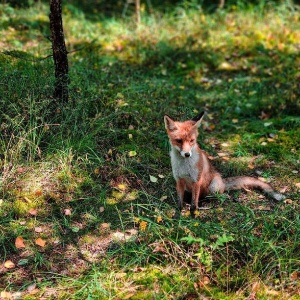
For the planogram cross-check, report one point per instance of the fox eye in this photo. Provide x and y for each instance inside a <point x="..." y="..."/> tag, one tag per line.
<point x="192" y="140"/>
<point x="179" y="141"/>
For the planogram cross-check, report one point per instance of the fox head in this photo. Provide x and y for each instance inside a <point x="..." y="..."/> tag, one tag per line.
<point x="183" y="135"/>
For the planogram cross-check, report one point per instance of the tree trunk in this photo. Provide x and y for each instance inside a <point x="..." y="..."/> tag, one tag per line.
<point x="60" y="54"/>
<point x="138" y="11"/>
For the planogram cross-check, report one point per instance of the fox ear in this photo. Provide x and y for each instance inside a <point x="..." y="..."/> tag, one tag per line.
<point x="169" y="123"/>
<point x="198" y="119"/>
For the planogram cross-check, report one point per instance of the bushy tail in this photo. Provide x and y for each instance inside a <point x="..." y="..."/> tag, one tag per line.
<point x="247" y="182"/>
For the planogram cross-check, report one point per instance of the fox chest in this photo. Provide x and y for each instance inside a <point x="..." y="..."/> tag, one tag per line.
<point x="185" y="168"/>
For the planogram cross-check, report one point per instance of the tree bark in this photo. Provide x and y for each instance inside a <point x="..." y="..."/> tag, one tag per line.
<point x="138" y="11"/>
<point x="60" y="53"/>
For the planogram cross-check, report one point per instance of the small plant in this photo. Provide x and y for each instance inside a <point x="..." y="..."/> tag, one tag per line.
<point x="206" y="248"/>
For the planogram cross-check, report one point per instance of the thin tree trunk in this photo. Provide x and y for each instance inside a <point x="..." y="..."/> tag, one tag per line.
<point x="138" y="11"/>
<point x="60" y="54"/>
<point x="221" y="4"/>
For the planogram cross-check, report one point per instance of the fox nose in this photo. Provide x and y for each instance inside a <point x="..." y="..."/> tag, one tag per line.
<point x="187" y="154"/>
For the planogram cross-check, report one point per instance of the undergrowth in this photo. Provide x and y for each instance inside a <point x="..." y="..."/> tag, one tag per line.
<point x="92" y="178"/>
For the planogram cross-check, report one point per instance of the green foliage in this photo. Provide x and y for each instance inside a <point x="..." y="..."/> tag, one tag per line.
<point x="93" y="178"/>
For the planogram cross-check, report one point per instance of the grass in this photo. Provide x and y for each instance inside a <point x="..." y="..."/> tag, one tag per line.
<point x="92" y="179"/>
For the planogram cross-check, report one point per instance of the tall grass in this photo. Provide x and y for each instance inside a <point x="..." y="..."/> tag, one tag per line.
<point x="80" y="173"/>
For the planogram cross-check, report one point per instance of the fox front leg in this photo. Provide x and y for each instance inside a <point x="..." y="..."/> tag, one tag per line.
<point x="180" y="187"/>
<point x="195" y="197"/>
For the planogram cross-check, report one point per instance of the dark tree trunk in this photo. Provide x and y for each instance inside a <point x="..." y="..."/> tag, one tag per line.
<point x="60" y="54"/>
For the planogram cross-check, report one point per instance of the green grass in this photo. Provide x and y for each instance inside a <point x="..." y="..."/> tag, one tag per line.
<point x="79" y="176"/>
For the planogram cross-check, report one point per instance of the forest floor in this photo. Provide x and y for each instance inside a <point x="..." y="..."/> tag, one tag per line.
<point x="87" y="195"/>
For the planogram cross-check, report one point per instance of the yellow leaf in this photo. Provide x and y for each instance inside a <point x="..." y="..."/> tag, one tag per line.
<point x="122" y="186"/>
<point x="226" y="66"/>
<point x="19" y="242"/>
<point x="9" y="264"/>
<point x="132" y="153"/>
<point x="40" y="242"/>
<point x="143" y="225"/>
<point x="118" y="195"/>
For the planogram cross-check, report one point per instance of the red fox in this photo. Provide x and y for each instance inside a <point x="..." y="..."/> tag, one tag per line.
<point x="193" y="171"/>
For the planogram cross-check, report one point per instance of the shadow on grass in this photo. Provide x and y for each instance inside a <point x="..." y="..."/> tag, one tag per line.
<point x="115" y="130"/>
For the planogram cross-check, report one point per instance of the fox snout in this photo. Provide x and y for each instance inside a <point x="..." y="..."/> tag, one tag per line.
<point x="185" y="151"/>
<point x="186" y="154"/>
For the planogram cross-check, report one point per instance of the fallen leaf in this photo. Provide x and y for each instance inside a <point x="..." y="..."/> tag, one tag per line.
<point x="101" y="209"/>
<point x="222" y="154"/>
<point x="40" y="242"/>
<point x="295" y="171"/>
<point x="132" y="153"/>
<point x="295" y="275"/>
<point x="206" y="280"/>
<point x="264" y="208"/>
<point x="38" y="193"/>
<point x="68" y="212"/>
<point x="226" y="66"/>
<point x="128" y="296"/>
<point x="120" y="275"/>
<point x="288" y="201"/>
<point x="110" y="152"/>
<point x="31" y="287"/>
<point x="297" y="184"/>
<point x="251" y="166"/>
<point x="38" y="229"/>
<point x="226" y="158"/>
<point x="34" y="291"/>
<point x="32" y="211"/>
<point x="19" y="242"/>
<point x="234" y="121"/>
<point x="267" y="124"/>
<point x="6" y="295"/>
<point x="122" y="186"/>
<point x="163" y="198"/>
<point x="21" y="170"/>
<point x="23" y="262"/>
<point x="272" y="293"/>
<point x="9" y="264"/>
<point x="161" y="176"/>
<point x="153" y="178"/>
<point x="264" y="116"/>
<point x="75" y="229"/>
<point x="120" y="95"/>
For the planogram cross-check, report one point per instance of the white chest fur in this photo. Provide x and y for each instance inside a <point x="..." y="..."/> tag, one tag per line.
<point x="184" y="167"/>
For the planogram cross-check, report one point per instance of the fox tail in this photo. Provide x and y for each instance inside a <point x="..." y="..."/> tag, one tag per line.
<point x="247" y="182"/>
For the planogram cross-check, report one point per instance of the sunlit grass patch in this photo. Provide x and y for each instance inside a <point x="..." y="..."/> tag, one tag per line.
<point x="88" y="187"/>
